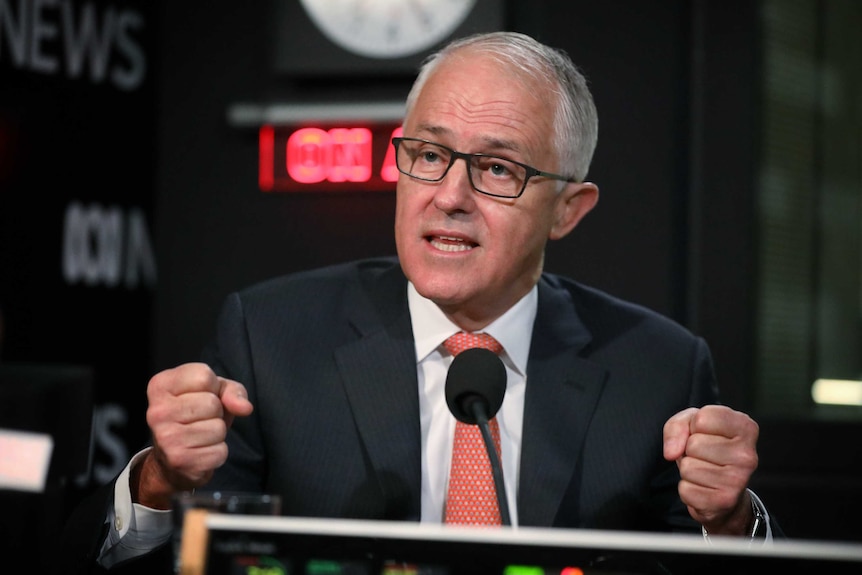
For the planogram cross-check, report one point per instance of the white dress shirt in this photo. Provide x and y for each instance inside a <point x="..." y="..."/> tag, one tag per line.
<point x="431" y="328"/>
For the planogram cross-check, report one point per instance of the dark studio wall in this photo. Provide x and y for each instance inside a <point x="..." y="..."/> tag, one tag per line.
<point x="675" y="83"/>
<point x="77" y="262"/>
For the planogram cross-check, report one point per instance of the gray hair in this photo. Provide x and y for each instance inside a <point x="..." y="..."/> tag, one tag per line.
<point x="576" y="123"/>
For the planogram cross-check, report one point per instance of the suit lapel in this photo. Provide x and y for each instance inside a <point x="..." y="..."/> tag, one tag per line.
<point x="379" y="374"/>
<point x="562" y="391"/>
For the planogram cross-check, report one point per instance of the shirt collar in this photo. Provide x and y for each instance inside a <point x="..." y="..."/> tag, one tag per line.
<point x="513" y="329"/>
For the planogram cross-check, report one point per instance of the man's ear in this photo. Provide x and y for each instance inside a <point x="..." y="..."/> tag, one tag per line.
<point x="573" y="203"/>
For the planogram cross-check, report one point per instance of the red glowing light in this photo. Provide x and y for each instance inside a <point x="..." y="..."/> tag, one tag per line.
<point x="264" y="165"/>
<point x="308" y="155"/>
<point x="389" y="172"/>
<point x="337" y="158"/>
<point x="351" y="155"/>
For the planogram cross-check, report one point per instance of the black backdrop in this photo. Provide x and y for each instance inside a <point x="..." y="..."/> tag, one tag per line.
<point x="78" y="267"/>
<point x="77" y="162"/>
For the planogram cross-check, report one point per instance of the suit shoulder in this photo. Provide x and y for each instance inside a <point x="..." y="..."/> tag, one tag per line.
<point x="601" y="311"/>
<point x="326" y="280"/>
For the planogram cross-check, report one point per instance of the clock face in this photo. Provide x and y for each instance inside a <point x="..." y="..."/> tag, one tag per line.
<point x="387" y="28"/>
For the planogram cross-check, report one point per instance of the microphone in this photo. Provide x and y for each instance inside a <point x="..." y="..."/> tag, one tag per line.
<point x="475" y="386"/>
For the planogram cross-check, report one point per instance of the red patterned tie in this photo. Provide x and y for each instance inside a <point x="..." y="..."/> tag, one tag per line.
<point x="472" y="497"/>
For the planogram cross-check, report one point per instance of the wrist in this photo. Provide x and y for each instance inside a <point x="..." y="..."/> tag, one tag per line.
<point x="738" y="523"/>
<point x="148" y="486"/>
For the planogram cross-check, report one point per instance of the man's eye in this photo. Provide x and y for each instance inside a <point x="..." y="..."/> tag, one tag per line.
<point x="499" y="170"/>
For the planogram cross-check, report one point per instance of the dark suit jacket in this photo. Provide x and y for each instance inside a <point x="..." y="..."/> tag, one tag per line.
<point x="328" y="358"/>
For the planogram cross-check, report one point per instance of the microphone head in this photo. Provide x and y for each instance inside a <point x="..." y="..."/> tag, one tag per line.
<point x="476" y="375"/>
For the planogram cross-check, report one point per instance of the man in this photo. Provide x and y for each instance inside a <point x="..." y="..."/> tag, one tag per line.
<point x="326" y="387"/>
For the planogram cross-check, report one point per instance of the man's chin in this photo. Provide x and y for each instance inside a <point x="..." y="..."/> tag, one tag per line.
<point x="443" y="289"/>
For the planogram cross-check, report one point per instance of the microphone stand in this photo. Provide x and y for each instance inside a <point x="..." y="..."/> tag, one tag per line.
<point x="496" y="468"/>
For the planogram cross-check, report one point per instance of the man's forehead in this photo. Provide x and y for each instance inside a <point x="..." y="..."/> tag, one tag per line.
<point x="476" y="103"/>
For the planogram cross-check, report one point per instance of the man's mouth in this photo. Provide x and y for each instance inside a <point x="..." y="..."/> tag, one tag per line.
<point x="450" y="244"/>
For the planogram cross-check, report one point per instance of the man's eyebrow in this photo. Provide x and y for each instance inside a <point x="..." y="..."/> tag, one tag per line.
<point x="432" y="130"/>
<point x="489" y="143"/>
<point x="498" y="144"/>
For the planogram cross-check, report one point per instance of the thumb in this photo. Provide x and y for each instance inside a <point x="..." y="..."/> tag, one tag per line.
<point x="234" y="398"/>
<point x="677" y="429"/>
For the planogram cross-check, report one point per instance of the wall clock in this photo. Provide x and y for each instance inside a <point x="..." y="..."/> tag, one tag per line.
<point x="371" y="37"/>
<point x="387" y="28"/>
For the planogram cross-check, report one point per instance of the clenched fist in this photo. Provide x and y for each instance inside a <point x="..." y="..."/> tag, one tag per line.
<point x="715" y="449"/>
<point x="190" y="410"/>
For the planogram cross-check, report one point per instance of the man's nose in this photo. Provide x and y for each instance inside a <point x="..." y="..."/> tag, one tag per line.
<point x="455" y="190"/>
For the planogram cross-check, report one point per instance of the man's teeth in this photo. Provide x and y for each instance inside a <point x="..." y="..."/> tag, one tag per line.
<point x="446" y="244"/>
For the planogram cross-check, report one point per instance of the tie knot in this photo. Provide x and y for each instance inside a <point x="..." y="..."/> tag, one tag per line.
<point x="463" y="340"/>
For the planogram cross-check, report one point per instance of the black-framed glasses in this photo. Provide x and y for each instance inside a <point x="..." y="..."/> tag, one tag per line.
<point x="489" y="175"/>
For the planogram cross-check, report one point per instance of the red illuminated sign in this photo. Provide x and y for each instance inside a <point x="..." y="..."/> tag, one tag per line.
<point x="336" y="158"/>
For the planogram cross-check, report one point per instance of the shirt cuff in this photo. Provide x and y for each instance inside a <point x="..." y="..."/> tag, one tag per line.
<point x="758" y="504"/>
<point x="134" y="529"/>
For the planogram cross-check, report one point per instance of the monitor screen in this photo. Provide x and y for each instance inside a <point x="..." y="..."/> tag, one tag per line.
<point x="245" y="545"/>
<point x="55" y="399"/>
